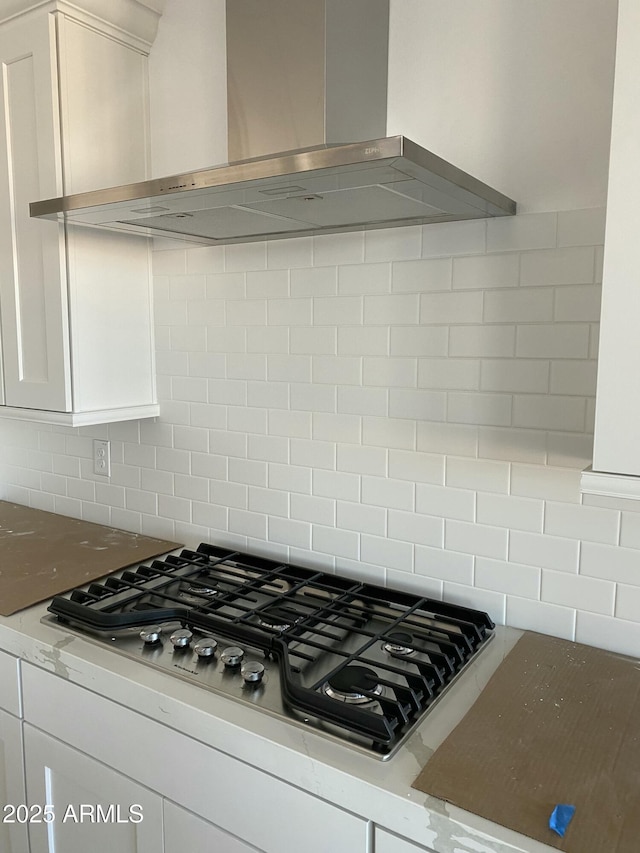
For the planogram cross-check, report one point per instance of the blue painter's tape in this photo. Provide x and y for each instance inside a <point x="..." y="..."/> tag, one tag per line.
<point x="560" y="818"/>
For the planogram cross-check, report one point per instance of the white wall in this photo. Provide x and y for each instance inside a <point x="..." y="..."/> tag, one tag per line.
<point x="188" y="87"/>
<point x="412" y="405"/>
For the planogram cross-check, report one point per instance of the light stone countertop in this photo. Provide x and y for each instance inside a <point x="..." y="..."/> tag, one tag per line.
<point x="377" y="790"/>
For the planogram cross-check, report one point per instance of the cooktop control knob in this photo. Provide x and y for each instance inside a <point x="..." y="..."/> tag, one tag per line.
<point x="232" y="656"/>
<point x="151" y="635"/>
<point x="206" y="647"/>
<point x="181" y="638"/>
<point x="252" y="671"/>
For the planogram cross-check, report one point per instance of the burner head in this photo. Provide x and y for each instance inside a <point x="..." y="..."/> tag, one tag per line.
<point x="205" y="588"/>
<point x="278" y="618"/>
<point x="349" y="683"/>
<point x="399" y="644"/>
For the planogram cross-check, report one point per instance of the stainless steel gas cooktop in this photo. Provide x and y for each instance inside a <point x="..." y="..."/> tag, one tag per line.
<point x="356" y="662"/>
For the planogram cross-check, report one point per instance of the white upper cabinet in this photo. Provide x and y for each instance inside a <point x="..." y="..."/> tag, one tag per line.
<point x="75" y="305"/>
<point x="617" y="429"/>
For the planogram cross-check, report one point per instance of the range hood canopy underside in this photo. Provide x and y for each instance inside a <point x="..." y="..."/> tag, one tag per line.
<point x="375" y="184"/>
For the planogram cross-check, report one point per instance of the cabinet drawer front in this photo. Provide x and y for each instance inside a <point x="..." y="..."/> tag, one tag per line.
<point x="10" y="698"/>
<point x="242" y="800"/>
<point x="13" y="834"/>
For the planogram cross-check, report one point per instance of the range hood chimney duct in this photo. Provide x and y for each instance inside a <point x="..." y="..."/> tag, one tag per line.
<point x="307" y="109"/>
<point x="302" y="73"/>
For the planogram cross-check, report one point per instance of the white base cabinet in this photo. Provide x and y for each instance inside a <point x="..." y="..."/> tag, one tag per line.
<point x="93" y="807"/>
<point x="75" y="305"/>
<point x="13" y="828"/>
<point x="385" y="842"/>
<point x="185" y="832"/>
<point x="103" y="746"/>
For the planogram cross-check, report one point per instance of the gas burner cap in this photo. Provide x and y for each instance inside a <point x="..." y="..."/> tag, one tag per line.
<point x="348" y="683"/>
<point x="398" y="644"/>
<point x="200" y="588"/>
<point x="278" y="619"/>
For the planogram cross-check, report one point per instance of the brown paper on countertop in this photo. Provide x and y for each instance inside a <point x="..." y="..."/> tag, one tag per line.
<point x="558" y="722"/>
<point x="43" y="554"/>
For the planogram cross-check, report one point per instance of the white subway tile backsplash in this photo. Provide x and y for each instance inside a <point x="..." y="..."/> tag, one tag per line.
<point x="389" y="372"/>
<point x="269" y="284"/>
<point x="419" y="529"/>
<point x="481" y="409"/>
<point x="359" y="340"/>
<point x="388" y="244"/>
<point x="417" y="404"/>
<point x="556" y="484"/>
<point x="481" y="341"/>
<point x="444" y="501"/>
<point x="314" y="509"/>
<point x="336" y="427"/>
<point x="477" y="474"/>
<point x="315" y="281"/>
<point x="389" y="432"/>
<point x="557" y="267"/>
<point x="245" y="256"/>
<point x="548" y="552"/>
<point x="530" y="231"/>
<point x="617" y="635"/>
<point x="267" y="339"/>
<point x="416" y="466"/>
<point x="290" y="312"/>
<point x="486" y="272"/>
<point x="454" y="238"/>
<point x="514" y="579"/>
<point x="523" y="305"/>
<point x="361" y="279"/>
<point x="584" y="593"/>
<point x="541" y="616"/>
<point x="360" y="518"/>
<point x="580" y="302"/>
<point x="268" y="501"/>
<point x="373" y="402"/>
<point x="394" y="309"/>
<point x="386" y="552"/>
<point x="313" y="390"/>
<point x="558" y="340"/>
<point x="231" y="285"/>
<point x="590" y="524"/>
<point x="289" y="478"/>
<point x="358" y="459"/>
<point x="536" y="411"/>
<point x="338" y="310"/>
<point x="314" y="454"/>
<point x="477" y="539"/>
<point x="421" y="276"/>
<point x="512" y="445"/>
<point x="337" y="543"/>
<point x="444" y="565"/>
<point x="286" y="254"/>
<point x="581" y="227"/>
<point x="336" y="484"/>
<point x="313" y="341"/>
<point x="447" y="308"/>
<point x="171" y="262"/>
<point x="610" y="563"/>
<point x="337" y="369"/>
<point x="289" y="368"/>
<point x="508" y="511"/>
<point x="394" y="494"/>
<point x="416" y="341"/>
<point x="573" y="377"/>
<point x="456" y="439"/>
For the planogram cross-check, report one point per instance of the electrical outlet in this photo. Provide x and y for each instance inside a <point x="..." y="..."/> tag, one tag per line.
<point x="101" y="457"/>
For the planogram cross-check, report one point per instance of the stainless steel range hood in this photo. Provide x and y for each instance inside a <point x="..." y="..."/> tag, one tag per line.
<point x="306" y="79"/>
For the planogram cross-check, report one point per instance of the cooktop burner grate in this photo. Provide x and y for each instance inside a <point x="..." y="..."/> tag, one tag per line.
<point x="321" y="631"/>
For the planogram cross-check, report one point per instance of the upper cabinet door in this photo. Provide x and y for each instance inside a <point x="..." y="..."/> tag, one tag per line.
<point x="33" y="293"/>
